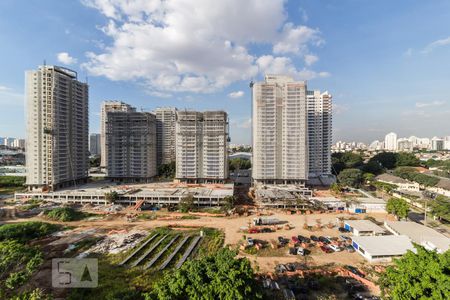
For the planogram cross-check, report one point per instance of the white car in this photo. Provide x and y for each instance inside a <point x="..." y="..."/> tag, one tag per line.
<point x="250" y="241"/>
<point x="335" y="248"/>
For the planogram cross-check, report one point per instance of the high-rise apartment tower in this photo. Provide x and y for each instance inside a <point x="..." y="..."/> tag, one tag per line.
<point x="319" y="109"/>
<point x="201" y="146"/>
<point x="57" y="152"/>
<point x="108" y="106"/>
<point x="280" y="132"/>
<point x="165" y="134"/>
<point x="130" y="141"/>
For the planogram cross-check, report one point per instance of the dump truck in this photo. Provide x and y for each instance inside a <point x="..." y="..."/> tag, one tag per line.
<point x="265" y="221"/>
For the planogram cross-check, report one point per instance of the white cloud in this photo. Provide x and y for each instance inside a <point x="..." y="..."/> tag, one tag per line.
<point x="339" y="108"/>
<point x="303" y="15"/>
<point x="9" y="97"/>
<point x="65" y="58"/>
<point x="237" y="94"/>
<point x="4" y="88"/>
<point x="310" y="59"/>
<point x="195" y="45"/>
<point x="408" y="52"/>
<point x="296" y="39"/>
<point x="428" y="104"/>
<point x="283" y="65"/>
<point x="245" y="124"/>
<point x="439" y="43"/>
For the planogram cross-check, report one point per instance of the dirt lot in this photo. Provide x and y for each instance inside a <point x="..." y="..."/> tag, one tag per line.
<point x="233" y="235"/>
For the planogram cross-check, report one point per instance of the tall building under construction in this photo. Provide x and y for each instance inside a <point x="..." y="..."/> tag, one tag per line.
<point x="201" y="146"/>
<point x="57" y="150"/>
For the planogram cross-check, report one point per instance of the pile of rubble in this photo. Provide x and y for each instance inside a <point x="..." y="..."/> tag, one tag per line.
<point x="112" y="208"/>
<point x="118" y="242"/>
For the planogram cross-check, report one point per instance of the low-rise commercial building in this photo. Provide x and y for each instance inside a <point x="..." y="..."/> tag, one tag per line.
<point x="442" y="187"/>
<point x="382" y="248"/>
<point x="420" y="234"/>
<point x="157" y="194"/>
<point x="401" y="183"/>
<point x="363" y="227"/>
<point x="367" y="205"/>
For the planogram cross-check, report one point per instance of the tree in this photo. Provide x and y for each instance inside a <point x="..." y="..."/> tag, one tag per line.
<point x="398" y="207"/>
<point x="94" y="161"/>
<point x="167" y="170"/>
<point x="368" y="177"/>
<point x="440" y="207"/>
<point x="186" y="203"/>
<point x="386" y="160"/>
<point x="218" y="276"/>
<point x="350" y="177"/>
<point x="341" y="161"/>
<point x="336" y="188"/>
<point x="424" y="275"/>
<point x="111" y="197"/>
<point x="228" y="202"/>
<point x="373" y="166"/>
<point x="407" y="159"/>
<point x="239" y="164"/>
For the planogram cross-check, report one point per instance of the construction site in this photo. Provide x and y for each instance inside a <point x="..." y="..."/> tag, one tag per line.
<point x="160" y="194"/>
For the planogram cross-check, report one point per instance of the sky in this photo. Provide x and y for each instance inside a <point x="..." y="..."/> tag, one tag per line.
<point x="386" y="63"/>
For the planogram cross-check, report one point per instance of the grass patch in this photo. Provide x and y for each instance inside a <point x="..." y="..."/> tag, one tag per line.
<point x="26" y="231"/>
<point x="65" y="214"/>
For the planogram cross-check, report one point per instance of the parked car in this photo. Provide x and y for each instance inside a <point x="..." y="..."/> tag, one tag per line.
<point x="295" y="239"/>
<point x="280" y="239"/>
<point x="326" y="249"/>
<point x="253" y="230"/>
<point x="345" y="238"/>
<point x="301" y="251"/>
<point x="335" y="248"/>
<point x="266" y="229"/>
<point x="304" y="239"/>
<point x="324" y="240"/>
<point x="301" y="238"/>
<point x="250" y="241"/>
<point x="314" y="238"/>
<point x="342" y="229"/>
<point x="350" y="248"/>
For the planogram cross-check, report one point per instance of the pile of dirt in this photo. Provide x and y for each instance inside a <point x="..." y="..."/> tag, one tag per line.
<point x="117" y="242"/>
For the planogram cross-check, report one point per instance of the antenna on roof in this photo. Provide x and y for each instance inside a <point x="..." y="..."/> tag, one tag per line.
<point x="44" y="62"/>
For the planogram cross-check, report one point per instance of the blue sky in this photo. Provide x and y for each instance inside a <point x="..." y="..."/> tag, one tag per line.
<point x="387" y="63"/>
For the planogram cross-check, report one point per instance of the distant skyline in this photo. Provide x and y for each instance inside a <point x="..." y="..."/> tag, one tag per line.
<point x="386" y="63"/>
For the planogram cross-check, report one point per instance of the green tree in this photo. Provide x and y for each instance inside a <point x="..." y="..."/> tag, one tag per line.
<point x="111" y="197"/>
<point x="373" y="166"/>
<point x="425" y="275"/>
<point x="368" y="177"/>
<point x="167" y="170"/>
<point x="239" y="164"/>
<point x="336" y="188"/>
<point x="440" y="207"/>
<point x="407" y="159"/>
<point x="218" y="276"/>
<point x="186" y="203"/>
<point x="350" y="177"/>
<point x="386" y="160"/>
<point x="94" y="161"/>
<point x="398" y="207"/>
<point x="228" y="202"/>
<point x="341" y="161"/>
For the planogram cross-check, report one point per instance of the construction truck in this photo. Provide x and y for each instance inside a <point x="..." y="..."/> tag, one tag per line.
<point x="265" y="221"/>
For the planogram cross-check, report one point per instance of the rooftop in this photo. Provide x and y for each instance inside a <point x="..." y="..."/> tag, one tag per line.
<point x="420" y="234"/>
<point x="391" y="245"/>
<point x="391" y="178"/>
<point x="365" y="225"/>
